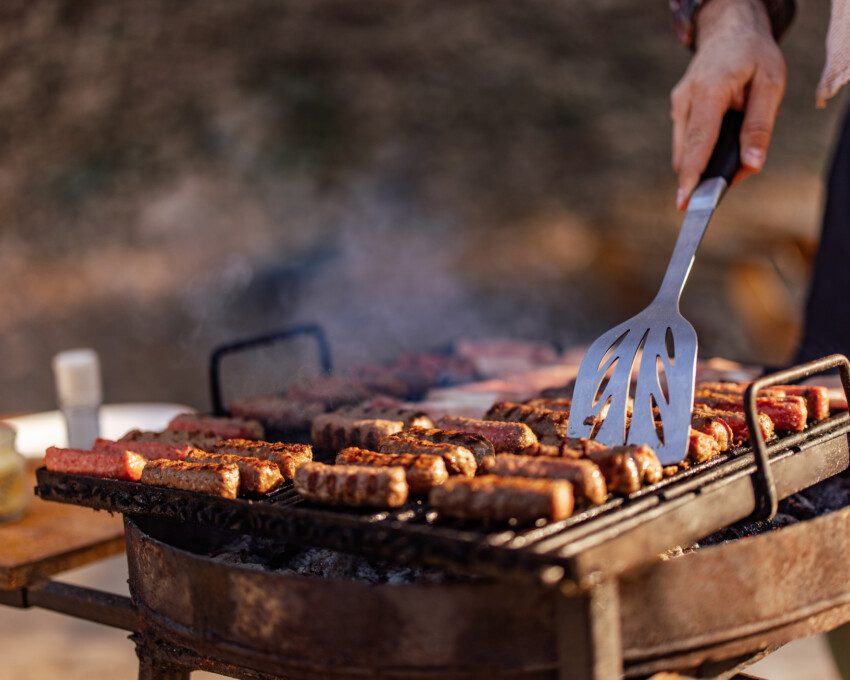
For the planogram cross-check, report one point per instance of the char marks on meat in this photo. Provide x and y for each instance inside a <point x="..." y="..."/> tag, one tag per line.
<point x="458" y="459"/>
<point x="505" y="437"/>
<point x="357" y="485"/>
<point x="502" y="498"/>
<point x="334" y="431"/>
<point x="545" y="423"/>
<point x="287" y="457"/>
<point x="219" y="427"/>
<point x="214" y="479"/>
<point x="279" y="413"/>
<point x="481" y="447"/>
<point x="255" y="475"/>
<point x="423" y="471"/>
<point x="585" y="476"/>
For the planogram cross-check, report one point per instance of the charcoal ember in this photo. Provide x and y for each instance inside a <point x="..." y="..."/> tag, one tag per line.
<point x="745" y="529"/>
<point x="331" y="564"/>
<point x="798" y="506"/>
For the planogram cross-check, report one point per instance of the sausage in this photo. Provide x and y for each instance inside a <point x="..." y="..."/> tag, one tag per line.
<point x="736" y="421"/>
<point x="458" y="459"/>
<point x="111" y="464"/>
<point x="545" y="423"/>
<point x="649" y="467"/>
<point x="788" y="413"/>
<point x="147" y="450"/>
<point x="817" y="398"/>
<point x="551" y="404"/>
<point x="276" y="412"/>
<point x="381" y="487"/>
<point x="255" y="475"/>
<point x="287" y="457"/>
<point x="480" y="447"/>
<point x="379" y="411"/>
<point x="198" y="440"/>
<point x="505" y="437"/>
<point x="585" y="476"/>
<point x="501" y="498"/>
<point x="334" y="431"/>
<point x="422" y="471"/>
<point x="717" y="428"/>
<point x="619" y="468"/>
<point x="552" y="450"/>
<point x="220" y="427"/>
<point x="702" y="446"/>
<point x="214" y="479"/>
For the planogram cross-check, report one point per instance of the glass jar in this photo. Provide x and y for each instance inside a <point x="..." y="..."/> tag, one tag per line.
<point x="14" y="492"/>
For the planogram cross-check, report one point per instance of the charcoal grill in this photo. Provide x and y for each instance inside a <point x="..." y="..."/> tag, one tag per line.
<point x="572" y="565"/>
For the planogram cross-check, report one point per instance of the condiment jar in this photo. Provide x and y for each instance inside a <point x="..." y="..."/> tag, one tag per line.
<point x="14" y="491"/>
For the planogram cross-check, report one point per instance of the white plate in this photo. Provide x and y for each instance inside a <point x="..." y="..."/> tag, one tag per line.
<point x="37" y="431"/>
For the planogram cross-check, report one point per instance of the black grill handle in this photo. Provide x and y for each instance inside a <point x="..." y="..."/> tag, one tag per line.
<point x="763" y="484"/>
<point x="261" y="341"/>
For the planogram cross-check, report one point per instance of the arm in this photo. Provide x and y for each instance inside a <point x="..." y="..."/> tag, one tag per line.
<point x="736" y="64"/>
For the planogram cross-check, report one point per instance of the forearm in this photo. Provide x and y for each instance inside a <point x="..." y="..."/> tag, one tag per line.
<point x="685" y="12"/>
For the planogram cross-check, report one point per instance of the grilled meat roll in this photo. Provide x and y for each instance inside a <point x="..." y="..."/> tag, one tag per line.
<point x="505" y="437"/>
<point x="736" y="421"/>
<point x="702" y="446"/>
<point x="384" y="409"/>
<point x="544" y="423"/>
<point x="423" y="471"/>
<point x="177" y="438"/>
<point x="359" y="485"/>
<point x="112" y="464"/>
<point x="480" y="446"/>
<point x="334" y="431"/>
<point x="619" y="467"/>
<point x="501" y="498"/>
<point x="458" y="459"/>
<point x="287" y="457"/>
<point x="585" y="476"/>
<point x="214" y="479"/>
<point x="147" y="450"/>
<point x="788" y="413"/>
<point x="255" y="475"/>
<point x="220" y="427"/>
<point x="716" y="428"/>
<point x="550" y="404"/>
<point x="278" y="413"/>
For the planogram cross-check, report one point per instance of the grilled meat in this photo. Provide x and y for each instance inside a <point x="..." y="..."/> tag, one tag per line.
<point x="788" y="413"/>
<point x="111" y="464"/>
<point x="619" y="467"/>
<point x="381" y="487"/>
<point x="147" y="450"/>
<point x="505" y="437"/>
<point x="716" y="428"/>
<point x="545" y="423"/>
<point x="817" y="398"/>
<point x="333" y="431"/>
<point x="702" y="446"/>
<point x="585" y="476"/>
<point x="551" y="404"/>
<point x="423" y="471"/>
<point x="458" y="459"/>
<point x="736" y="421"/>
<point x="255" y="475"/>
<point x="287" y="457"/>
<point x="220" y="427"/>
<point x="386" y="409"/>
<point x="501" y="498"/>
<point x="552" y="451"/>
<point x="278" y="413"/>
<point x="480" y="446"/>
<point x="329" y="390"/>
<point x="214" y="479"/>
<point x="177" y="438"/>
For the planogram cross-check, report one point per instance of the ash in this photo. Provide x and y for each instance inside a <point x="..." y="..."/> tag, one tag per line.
<point x="269" y="555"/>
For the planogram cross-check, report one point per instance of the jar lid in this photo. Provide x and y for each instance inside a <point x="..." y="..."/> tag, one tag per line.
<point x="77" y="374"/>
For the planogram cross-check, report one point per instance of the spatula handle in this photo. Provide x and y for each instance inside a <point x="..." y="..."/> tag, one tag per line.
<point x="725" y="160"/>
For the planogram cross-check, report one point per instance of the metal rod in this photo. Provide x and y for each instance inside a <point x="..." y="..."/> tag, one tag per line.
<point x="98" y="606"/>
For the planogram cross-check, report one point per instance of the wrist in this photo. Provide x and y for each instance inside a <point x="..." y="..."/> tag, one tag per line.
<point x="736" y="16"/>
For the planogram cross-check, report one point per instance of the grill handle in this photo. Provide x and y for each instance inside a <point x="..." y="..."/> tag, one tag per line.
<point x="264" y="340"/>
<point x="763" y="484"/>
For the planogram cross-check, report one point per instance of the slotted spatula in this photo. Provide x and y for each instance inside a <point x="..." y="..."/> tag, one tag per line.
<point x="664" y="387"/>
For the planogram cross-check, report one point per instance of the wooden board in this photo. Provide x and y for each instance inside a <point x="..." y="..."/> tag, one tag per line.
<point x="54" y="537"/>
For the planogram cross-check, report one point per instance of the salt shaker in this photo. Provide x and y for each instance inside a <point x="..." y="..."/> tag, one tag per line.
<point x="79" y="392"/>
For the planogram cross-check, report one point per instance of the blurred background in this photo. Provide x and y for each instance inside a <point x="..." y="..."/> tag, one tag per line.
<point x="175" y="175"/>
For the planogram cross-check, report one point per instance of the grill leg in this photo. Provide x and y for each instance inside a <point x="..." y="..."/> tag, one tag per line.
<point x="589" y="642"/>
<point x="151" y="669"/>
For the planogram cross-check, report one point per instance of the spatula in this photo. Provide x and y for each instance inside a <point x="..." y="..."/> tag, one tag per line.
<point x="659" y="338"/>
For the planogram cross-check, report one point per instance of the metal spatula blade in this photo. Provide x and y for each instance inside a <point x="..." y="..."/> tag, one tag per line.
<point x="659" y="341"/>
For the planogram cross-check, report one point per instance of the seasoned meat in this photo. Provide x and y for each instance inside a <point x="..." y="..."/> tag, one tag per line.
<point x="702" y="446"/>
<point x="214" y="479"/>
<point x="278" y="413"/>
<point x="817" y="398"/>
<point x="287" y="457"/>
<point x="788" y="413"/>
<point x="716" y="428"/>
<point x="220" y="427"/>
<point x="458" y="459"/>
<point x="543" y="422"/>
<point x="385" y="409"/>
<point x="380" y="487"/>
<point x="585" y="476"/>
<point x="650" y="468"/>
<point x="333" y="431"/>
<point x="584" y="445"/>
<point x="255" y="475"/>
<point x="619" y="467"/>
<point x="423" y="471"/>
<point x="330" y="390"/>
<point x="147" y="450"/>
<point x="480" y="446"/>
<point x="736" y="421"/>
<point x="505" y="437"/>
<point x="561" y="450"/>
<point x="177" y="438"/>
<point x="110" y="464"/>
<point x="501" y="498"/>
<point x="551" y="404"/>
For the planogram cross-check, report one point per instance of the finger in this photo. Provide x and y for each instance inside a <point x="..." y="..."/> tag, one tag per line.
<point x="701" y="135"/>
<point x="762" y="108"/>
<point x="680" y="104"/>
<point x="741" y="175"/>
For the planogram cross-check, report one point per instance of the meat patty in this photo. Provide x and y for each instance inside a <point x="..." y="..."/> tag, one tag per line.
<point x="458" y="459"/>
<point x="220" y="427"/>
<point x="505" y="437"/>
<point x="214" y="479"/>
<point x="545" y="423"/>
<point x="585" y="476"/>
<point x="334" y="431"/>
<point x="359" y="485"/>
<point x="111" y="464"/>
<point x="480" y="447"/>
<point x="255" y="475"/>
<point x="501" y="498"/>
<point x="423" y="471"/>
<point x="287" y="457"/>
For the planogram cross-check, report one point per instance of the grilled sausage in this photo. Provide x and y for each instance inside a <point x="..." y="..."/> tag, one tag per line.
<point x="112" y="464"/>
<point x="788" y="413"/>
<point x="178" y="438"/>
<point x="551" y="404"/>
<point x="649" y="467"/>
<point x="817" y="398"/>
<point x="505" y="437"/>
<point x="480" y="446"/>
<point x="585" y="476"/>
<point x="716" y="428"/>
<point x="287" y="457"/>
<point x="147" y="450"/>
<point x="276" y="412"/>
<point x="561" y="450"/>
<point x="375" y="410"/>
<point x="458" y="460"/>
<point x="702" y="446"/>
<point x="736" y="421"/>
<point x="255" y="475"/>
<point x="214" y="479"/>
<point x="220" y="427"/>
<point x="500" y="498"/>
<point x="423" y="471"/>
<point x="619" y="467"/>
<point x="381" y="487"/>
<point x="333" y="431"/>
<point x="544" y="423"/>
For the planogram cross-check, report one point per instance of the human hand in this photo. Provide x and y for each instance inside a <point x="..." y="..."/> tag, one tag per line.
<point x="737" y="64"/>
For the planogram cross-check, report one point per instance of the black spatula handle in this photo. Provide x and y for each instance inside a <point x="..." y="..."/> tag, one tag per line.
<point x="725" y="160"/>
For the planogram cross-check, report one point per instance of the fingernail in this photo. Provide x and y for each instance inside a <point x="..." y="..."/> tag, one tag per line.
<point x="681" y="197"/>
<point x="753" y="158"/>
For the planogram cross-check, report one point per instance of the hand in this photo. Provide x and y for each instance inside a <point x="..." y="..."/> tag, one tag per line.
<point x="737" y="64"/>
